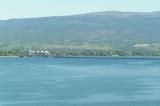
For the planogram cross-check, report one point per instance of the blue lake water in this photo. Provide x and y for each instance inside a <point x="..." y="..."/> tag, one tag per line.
<point x="79" y="82"/>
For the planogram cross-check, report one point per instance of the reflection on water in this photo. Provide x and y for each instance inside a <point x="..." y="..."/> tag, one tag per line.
<point x="80" y="82"/>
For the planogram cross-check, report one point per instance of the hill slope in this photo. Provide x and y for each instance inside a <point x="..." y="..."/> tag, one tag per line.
<point x="101" y="27"/>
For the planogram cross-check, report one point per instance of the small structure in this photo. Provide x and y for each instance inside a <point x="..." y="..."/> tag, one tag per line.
<point x="39" y="53"/>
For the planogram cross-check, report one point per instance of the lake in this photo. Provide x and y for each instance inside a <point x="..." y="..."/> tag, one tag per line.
<point x="39" y="81"/>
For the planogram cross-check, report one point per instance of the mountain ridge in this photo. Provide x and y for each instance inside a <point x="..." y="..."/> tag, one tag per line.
<point x="111" y="12"/>
<point x="100" y="27"/>
<point x="122" y="13"/>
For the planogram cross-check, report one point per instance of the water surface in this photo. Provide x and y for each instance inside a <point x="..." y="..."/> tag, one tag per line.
<point x="79" y="82"/>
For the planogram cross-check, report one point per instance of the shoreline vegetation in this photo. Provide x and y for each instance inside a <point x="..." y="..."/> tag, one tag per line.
<point x="81" y="53"/>
<point x="88" y="57"/>
<point x="108" y="55"/>
<point x="74" y="50"/>
<point x="77" y="53"/>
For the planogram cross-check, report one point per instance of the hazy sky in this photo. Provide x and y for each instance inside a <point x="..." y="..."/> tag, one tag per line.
<point x="40" y="8"/>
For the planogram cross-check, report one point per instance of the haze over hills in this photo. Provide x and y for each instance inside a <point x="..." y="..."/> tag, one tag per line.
<point x="100" y="27"/>
<point x="124" y="14"/>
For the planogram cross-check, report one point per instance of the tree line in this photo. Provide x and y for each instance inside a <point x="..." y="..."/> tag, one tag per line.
<point x="84" y="52"/>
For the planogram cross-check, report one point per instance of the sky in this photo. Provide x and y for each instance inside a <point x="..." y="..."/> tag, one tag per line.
<point x="42" y="8"/>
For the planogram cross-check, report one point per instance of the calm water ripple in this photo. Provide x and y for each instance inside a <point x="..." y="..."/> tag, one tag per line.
<point x="79" y="82"/>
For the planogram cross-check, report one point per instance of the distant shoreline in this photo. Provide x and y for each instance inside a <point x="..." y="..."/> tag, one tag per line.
<point x="112" y="57"/>
<point x="89" y="57"/>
